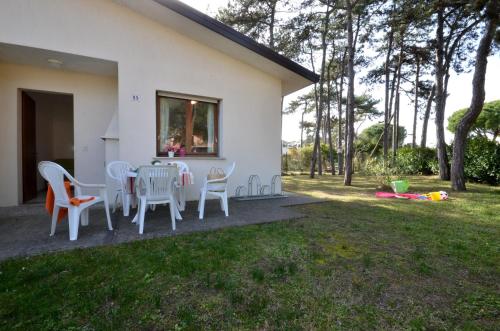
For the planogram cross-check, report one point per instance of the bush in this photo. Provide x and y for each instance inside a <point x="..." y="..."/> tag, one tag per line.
<point x="384" y="174"/>
<point x="416" y="161"/>
<point x="482" y="161"/>
<point x="299" y="159"/>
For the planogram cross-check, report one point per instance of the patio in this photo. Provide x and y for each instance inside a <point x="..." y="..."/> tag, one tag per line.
<point x="25" y="230"/>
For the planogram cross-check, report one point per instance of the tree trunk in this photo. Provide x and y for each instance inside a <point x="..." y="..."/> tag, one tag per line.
<point x="349" y="166"/>
<point x="415" y="114"/>
<point x="448" y="53"/>
<point x="444" y="171"/>
<point x="316" y="105"/>
<point x="387" y="111"/>
<point x="477" y="102"/>
<point x="395" y="127"/>
<point x="302" y="128"/>
<point x="328" y="117"/>
<point x="316" y="157"/>
<point x="340" y="152"/>
<point x="393" y="88"/>
<point x="271" y="26"/>
<point x="423" y="141"/>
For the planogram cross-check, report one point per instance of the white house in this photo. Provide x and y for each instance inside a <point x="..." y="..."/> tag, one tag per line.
<point x="85" y="82"/>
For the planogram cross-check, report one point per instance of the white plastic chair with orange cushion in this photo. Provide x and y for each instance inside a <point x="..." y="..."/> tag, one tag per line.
<point x="55" y="175"/>
<point x="216" y="187"/>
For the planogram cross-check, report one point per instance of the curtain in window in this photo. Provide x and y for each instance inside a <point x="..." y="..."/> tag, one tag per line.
<point x="211" y="128"/>
<point x="164" y="123"/>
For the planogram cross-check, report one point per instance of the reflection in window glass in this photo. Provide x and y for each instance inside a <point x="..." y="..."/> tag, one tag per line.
<point x="172" y="123"/>
<point x="203" y="124"/>
<point x="189" y="125"/>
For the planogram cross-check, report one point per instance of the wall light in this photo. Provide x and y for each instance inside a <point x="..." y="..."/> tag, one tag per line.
<point x="55" y="63"/>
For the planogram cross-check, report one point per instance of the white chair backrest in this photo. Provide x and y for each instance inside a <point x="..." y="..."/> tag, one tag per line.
<point x="221" y="184"/>
<point x="54" y="174"/>
<point x="229" y="170"/>
<point x="156" y="182"/>
<point x="118" y="170"/>
<point x="183" y="167"/>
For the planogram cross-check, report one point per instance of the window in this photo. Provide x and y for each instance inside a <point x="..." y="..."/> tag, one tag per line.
<point x="189" y="124"/>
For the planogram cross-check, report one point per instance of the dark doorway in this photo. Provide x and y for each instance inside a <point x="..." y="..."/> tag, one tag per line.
<point x="29" y="147"/>
<point x="47" y="135"/>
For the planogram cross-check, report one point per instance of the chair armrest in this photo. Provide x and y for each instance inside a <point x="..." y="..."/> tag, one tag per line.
<point x="218" y="180"/>
<point x="98" y="186"/>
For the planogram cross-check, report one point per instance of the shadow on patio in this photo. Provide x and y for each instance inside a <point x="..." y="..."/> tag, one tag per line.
<point x="25" y="230"/>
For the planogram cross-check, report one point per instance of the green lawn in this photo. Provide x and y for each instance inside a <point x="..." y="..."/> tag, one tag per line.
<point x="355" y="262"/>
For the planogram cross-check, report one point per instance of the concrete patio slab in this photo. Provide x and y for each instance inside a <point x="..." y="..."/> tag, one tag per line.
<point x="25" y="230"/>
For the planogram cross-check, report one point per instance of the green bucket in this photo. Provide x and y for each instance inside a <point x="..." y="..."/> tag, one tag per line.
<point x="400" y="186"/>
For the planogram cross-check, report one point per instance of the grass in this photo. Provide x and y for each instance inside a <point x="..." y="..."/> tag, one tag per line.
<point x="355" y="262"/>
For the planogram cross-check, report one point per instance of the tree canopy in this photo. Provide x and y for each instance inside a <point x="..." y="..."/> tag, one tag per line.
<point x="369" y="139"/>
<point x="486" y="125"/>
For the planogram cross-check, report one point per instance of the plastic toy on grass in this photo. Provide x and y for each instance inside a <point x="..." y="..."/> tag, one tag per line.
<point x="400" y="186"/>
<point x="437" y="196"/>
<point x="432" y="196"/>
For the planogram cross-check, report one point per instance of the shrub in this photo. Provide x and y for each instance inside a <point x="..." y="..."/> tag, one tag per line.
<point x="299" y="159"/>
<point x="482" y="161"/>
<point x="384" y="174"/>
<point x="416" y="161"/>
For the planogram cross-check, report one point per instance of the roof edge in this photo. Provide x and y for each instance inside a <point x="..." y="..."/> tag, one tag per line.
<point x="237" y="37"/>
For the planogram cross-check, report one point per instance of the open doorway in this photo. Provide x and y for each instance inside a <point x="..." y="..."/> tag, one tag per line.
<point x="47" y="135"/>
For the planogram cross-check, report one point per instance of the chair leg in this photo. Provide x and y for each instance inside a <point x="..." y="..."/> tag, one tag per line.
<point x="182" y="199"/>
<point x="199" y="201"/>
<point x="221" y="202"/>
<point x="84" y="218"/>
<point x="55" y="213"/>
<point x="226" y="207"/>
<point x="202" y="204"/>
<point x="142" y="214"/>
<point x="73" y="222"/>
<point x="115" y="204"/>
<point x="125" y="204"/>
<point x="178" y="215"/>
<point x="138" y="212"/>
<point x="106" y="208"/>
<point x="172" y="213"/>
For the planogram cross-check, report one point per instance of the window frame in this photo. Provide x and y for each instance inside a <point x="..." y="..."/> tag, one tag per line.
<point x="189" y="113"/>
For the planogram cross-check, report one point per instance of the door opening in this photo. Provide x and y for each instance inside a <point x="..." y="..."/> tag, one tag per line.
<point x="47" y="135"/>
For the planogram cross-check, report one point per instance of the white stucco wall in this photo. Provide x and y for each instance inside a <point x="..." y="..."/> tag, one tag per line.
<point x="95" y="100"/>
<point x="152" y="57"/>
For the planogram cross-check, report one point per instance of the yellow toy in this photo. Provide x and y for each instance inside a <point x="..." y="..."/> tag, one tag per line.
<point x="437" y="196"/>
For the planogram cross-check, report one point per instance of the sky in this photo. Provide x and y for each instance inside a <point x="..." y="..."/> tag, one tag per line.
<point x="460" y="91"/>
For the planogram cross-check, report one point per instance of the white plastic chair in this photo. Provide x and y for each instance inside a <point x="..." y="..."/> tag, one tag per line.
<point x="180" y="189"/>
<point x="183" y="167"/>
<point x="117" y="171"/>
<point x="55" y="174"/>
<point x="154" y="186"/>
<point x="218" y="188"/>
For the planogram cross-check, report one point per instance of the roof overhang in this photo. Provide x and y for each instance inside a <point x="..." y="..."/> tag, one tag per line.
<point x="208" y="31"/>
